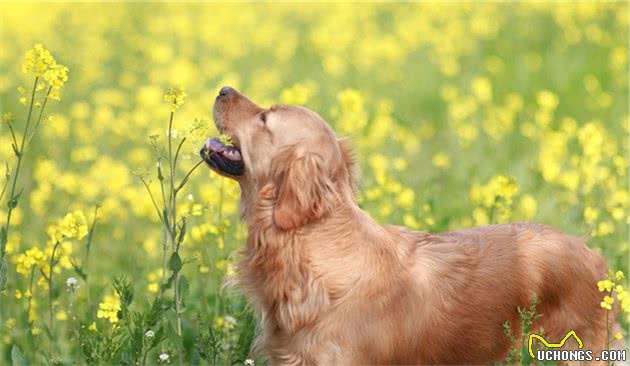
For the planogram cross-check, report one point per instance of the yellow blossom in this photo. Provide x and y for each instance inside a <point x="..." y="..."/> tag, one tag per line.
<point x="605" y="285"/>
<point x="175" y="98"/>
<point x="607" y="303"/>
<point x="31" y="258"/>
<point x="441" y="160"/>
<point x="109" y="308"/>
<point x="37" y="61"/>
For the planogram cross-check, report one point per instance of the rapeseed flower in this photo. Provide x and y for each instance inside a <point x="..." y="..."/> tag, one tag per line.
<point x="175" y="98"/>
<point x="109" y="308"/>
<point x="26" y="261"/>
<point x="37" y="61"/>
<point x="607" y="303"/>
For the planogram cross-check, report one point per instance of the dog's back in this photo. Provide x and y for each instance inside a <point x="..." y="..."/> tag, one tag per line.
<point x="472" y="281"/>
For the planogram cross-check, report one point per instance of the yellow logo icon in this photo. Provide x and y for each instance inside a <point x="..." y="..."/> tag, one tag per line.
<point x="552" y="345"/>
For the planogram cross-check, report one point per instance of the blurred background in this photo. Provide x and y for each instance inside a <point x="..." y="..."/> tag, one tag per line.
<point x="460" y="114"/>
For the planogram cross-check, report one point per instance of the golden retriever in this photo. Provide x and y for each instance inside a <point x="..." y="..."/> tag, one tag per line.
<point x="334" y="287"/>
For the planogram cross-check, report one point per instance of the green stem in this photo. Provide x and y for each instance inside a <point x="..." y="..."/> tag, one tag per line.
<point x="86" y="260"/>
<point x="16" y="172"/>
<point x="221" y="247"/>
<point x="51" y="324"/>
<point x="30" y="298"/>
<point x="41" y="113"/>
<point x="173" y="228"/>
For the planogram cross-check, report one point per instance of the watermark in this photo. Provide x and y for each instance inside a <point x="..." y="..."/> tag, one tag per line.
<point x="552" y="351"/>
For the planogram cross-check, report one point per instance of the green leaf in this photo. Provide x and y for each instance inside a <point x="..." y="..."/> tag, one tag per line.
<point x="78" y="270"/>
<point x="175" y="263"/>
<point x="168" y="284"/>
<point x="17" y="359"/>
<point x="14" y="200"/>
<point x="182" y="232"/>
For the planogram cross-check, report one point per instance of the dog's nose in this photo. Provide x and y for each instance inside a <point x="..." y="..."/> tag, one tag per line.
<point x="226" y="90"/>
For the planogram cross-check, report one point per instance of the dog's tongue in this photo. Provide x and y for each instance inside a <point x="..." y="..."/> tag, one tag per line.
<point x="229" y="152"/>
<point x="215" y="145"/>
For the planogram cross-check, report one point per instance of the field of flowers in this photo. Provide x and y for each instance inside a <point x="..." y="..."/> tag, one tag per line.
<point x="115" y="242"/>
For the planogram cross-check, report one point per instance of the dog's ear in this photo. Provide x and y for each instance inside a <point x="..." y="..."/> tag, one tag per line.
<point x="305" y="191"/>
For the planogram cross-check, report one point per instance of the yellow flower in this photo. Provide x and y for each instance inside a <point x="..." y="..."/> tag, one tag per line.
<point x="109" y="308"/>
<point x="29" y="259"/>
<point x="92" y="327"/>
<point x="482" y="89"/>
<point x="175" y="97"/>
<point x="590" y="214"/>
<point x="56" y="76"/>
<point x="619" y="275"/>
<point x="547" y="100"/>
<point x="298" y="94"/>
<point x="528" y="206"/>
<point x="153" y="287"/>
<point x="605" y="285"/>
<point x="6" y="117"/>
<point x="226" y="139"/>
<point x="37" y="61"/>
<point x="618" y="336"/>
<point x="225" y="322"/>
<point x="73" y="225"/>
<point x="441" y="160"/>
<point x="607" y="303"/>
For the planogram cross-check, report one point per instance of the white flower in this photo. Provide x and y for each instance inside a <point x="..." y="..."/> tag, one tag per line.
<point x="72" y="283"/>
<point x="229" y="320"/>
<point x="164" y="357"/>
<point x="249" y="362"/>
<point x="150" y="334"/>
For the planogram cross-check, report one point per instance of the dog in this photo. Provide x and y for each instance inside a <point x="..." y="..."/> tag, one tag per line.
<point x="334" y="287"/>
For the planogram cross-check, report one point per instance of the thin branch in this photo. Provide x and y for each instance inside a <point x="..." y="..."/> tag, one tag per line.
<point x="6" y="180"/>
<point x="39" y="119"/>
<point x="183" y="182"/>
<point x="157" y="210"/>
<point x="179" y="147"/>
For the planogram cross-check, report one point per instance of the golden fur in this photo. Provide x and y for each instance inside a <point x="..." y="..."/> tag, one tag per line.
<point x="335" y="287"/>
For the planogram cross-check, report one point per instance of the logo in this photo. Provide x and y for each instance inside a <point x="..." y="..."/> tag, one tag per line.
<point x="551" y="351"/>
<point x="560" y="344"/>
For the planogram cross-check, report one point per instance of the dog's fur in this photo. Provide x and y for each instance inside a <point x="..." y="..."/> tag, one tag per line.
<point x="335" y="287"/>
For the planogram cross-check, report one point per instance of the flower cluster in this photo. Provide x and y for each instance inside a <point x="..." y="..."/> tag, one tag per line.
<point x="109" y="308"/>
<point x="495" y="196"/>
<point x="613" y="283"/>
<point x="39" y="62"/>
<point x="31" y="258"/>
<point x="73" y="226"/>
<point x="175" y="98"/>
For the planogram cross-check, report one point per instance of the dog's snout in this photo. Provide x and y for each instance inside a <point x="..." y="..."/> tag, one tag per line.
<point x="225" y="91"/>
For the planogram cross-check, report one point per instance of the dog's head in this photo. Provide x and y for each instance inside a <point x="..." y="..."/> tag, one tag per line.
<point x="289" y="147"/>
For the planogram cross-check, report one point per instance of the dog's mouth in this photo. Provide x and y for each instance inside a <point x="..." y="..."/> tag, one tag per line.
<point x="222" y="157"/>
